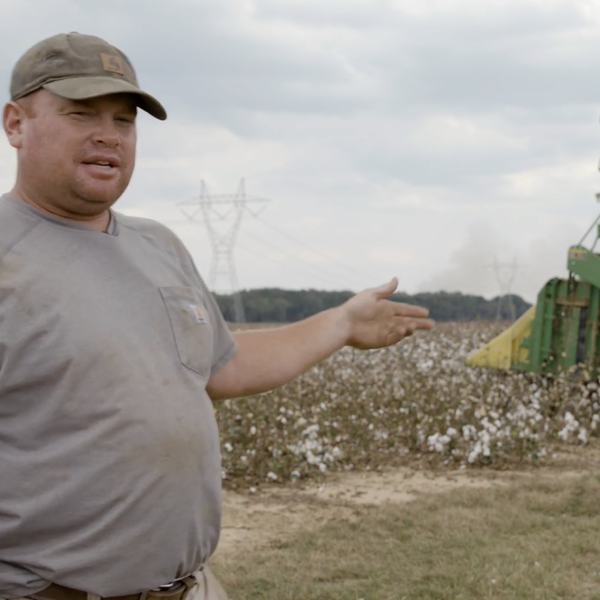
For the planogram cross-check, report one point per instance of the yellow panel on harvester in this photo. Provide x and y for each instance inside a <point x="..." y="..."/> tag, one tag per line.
<point x="505" y="349"/>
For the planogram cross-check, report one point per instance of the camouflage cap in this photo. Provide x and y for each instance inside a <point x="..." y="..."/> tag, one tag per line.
<point x="78" y="67"/>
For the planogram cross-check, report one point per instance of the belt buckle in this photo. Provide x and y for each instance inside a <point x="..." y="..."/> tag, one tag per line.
<point x="166" y="587"/>
<point x="178" y="588"/>
<point x="173" y="588"/>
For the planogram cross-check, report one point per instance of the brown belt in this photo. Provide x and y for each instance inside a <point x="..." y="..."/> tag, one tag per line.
<point x="59" y="592"/>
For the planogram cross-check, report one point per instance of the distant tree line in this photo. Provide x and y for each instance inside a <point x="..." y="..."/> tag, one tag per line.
<point x="275" y="305"/>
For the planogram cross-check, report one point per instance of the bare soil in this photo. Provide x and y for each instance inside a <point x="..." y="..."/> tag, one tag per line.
<point x="273" y="513"/>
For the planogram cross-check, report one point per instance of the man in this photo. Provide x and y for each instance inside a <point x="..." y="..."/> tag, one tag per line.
<point x="111" y="349"/>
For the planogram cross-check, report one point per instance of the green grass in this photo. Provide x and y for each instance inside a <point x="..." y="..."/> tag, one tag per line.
<point x="539" y="540"/>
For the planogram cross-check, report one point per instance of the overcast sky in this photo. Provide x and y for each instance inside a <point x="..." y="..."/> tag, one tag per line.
<point x="416" y="138"/>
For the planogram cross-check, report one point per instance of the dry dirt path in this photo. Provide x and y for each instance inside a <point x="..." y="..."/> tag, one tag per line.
<point x="252" y="521"/>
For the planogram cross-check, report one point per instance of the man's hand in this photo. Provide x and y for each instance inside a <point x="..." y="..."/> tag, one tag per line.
<point x="375" y="322"/>
<point x="265" y="359"/>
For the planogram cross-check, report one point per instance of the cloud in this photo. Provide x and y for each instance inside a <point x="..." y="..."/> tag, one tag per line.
<point x="389" y="134"/>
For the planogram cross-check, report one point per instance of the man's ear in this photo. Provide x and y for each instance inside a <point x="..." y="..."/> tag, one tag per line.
<point x="13" y="120"/>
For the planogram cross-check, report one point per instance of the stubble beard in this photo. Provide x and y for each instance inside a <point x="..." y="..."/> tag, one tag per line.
<point x="95" y="201"/>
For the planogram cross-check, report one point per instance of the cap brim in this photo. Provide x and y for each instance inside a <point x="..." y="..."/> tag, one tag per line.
<point x="84" y="88"/>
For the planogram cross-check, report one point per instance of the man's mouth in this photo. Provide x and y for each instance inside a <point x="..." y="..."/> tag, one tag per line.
<point x="105" y="162"/>
<point x="100" y="163"/>
<point x="102" y="168"/>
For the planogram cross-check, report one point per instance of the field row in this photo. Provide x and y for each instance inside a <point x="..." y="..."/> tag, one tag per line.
<point x="416" y="400"/>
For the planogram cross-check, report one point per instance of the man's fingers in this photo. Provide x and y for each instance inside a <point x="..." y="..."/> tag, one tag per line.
<point x="404" y="329"/>
<point x="411" y="325"/>
<point x="410" y="310"/>
<point x="387" y="289"/>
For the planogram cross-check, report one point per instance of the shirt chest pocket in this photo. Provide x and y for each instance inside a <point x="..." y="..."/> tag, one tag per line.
<point x="191" y="327"/>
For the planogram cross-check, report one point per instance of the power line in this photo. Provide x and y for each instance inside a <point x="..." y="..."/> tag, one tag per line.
<point x="294" y="267"/>
<point x="337" y="276"/>
<point x="341" y="278"/>
<point x="305" y="245"/>
<point x="227" y="207"/>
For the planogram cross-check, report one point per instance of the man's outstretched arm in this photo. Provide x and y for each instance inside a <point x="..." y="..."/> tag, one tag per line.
<point x="268" y="358"/>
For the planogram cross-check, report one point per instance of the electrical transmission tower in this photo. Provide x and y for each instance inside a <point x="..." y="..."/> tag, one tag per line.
<point x="505" y="276"/>
<point x="227" y="210"/>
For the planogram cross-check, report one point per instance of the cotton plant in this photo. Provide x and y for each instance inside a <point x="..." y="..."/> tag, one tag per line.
<point x="414" y="401"/>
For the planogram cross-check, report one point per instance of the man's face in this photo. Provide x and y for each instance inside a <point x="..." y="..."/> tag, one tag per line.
<point x="75" y="158"/>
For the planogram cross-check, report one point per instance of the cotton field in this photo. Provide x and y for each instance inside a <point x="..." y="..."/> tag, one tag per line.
<point x="415" y="401"/>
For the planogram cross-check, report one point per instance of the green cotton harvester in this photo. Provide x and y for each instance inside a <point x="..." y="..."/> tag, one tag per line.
<point x="560" y="334"/>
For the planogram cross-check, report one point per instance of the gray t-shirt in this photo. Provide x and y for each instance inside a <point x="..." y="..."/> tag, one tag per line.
<point x="110" y="474"/>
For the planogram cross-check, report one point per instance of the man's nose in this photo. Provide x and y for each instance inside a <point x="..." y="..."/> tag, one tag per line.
<point x="107" y="132"/>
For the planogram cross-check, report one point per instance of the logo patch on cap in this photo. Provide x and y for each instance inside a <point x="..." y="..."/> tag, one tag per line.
<point x="112" y="63"/>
